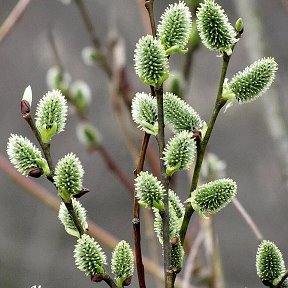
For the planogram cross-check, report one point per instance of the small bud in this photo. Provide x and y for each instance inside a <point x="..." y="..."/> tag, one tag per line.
<point x="90" y="55"/>
<point x="68" y="176"/>
<point x="80" y="93"/>
<point x="179" y="115"/>
<point x="122" y="263"/>
<point x="144" y="113"/>
<point x="210" y="198"/>
<point x="81" y="193"/>
<point x="89" y="256"/>
<point x="214" y="28"/>
<point x="269" y="262"/>
<point x="88" y="135"/>
<point x="51" y="115"/>
<point x="35" y="172"/>
<point x="67" y="220"/>
<point x="25" y="157"/>
<point x="175" y="27"/>
<point x="150" y="191"/>
<point x="26" y="101"/>
<point x="239" y="26"/>
<point x="151" y="64"/>
<point x="179" y="152"/>
<point x="127" y="281"/>
<point x="25" y="107"/>
<point x="97" y="278"/>
<point x="254" y="80"/>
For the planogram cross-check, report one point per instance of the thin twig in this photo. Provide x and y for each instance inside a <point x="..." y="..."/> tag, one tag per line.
<point x="149" y="4"/>
<point x="13" y="17"/>
<point x="136" y="216"/>
<point x="44" y="146"/>
<point x="109" y="281"/>
<point x="158" y="92"/>
<point x="219" y="103"/>
<point x="165" y="181"/>
<point x="247" y="219"/>
<point x="46" y="150"/>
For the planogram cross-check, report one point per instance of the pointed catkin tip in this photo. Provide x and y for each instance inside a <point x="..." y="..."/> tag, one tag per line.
<point x="27" y="95"/>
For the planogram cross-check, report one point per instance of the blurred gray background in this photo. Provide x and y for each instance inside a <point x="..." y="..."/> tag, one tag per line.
<point x="34" y="248"/>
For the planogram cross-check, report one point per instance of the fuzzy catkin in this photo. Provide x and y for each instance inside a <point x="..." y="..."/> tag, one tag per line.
<point x="151" y="64"/>
<point x="269" y="261"/>
<point x="175" y="26"/>
<point x="214" y="27"/>
<point x="254" y="80"/>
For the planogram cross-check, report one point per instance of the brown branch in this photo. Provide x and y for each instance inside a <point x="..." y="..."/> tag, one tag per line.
<point x="136" y="216"/>
<point x="149" y="4"/>
<point x="13" y="17"/>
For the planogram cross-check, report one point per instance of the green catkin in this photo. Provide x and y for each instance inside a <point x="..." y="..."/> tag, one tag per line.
<point x="151" y="64"/>
<point x="214" y="27"/>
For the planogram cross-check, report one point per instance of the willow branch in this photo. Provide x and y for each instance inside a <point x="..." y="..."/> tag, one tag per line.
<point x="44" y="146"/>
<point x="136" y="216"/>
<point x="149" y="4"/>
<point x="13" y="17"/>
<point x="46" y="150"/>
<point x="219" y="103"/>
<point x="51" y="201"/>
<point x="109" y="281"/>
<point x="165" y="181"/>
